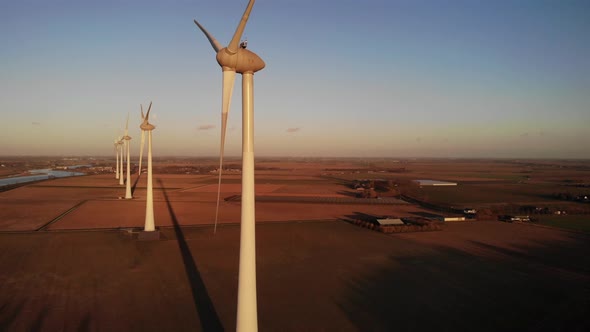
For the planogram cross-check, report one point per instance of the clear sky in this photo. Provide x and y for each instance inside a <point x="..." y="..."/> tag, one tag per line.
<point x="392" y="78"/>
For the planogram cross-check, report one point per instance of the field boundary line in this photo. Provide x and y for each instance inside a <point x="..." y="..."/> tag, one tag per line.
<point x="56" y="219"/>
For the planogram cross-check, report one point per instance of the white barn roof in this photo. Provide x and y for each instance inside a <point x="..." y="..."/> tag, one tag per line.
<point x="390" y="221"/>
<point x="426" y="182"/>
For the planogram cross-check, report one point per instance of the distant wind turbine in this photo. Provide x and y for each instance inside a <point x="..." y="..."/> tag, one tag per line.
<point x="121" y="177"/>
<point x="127" y="138"/>
<point x="149" y="205"/>
<point x="235" y="58"/>
<point x="117" y="158"/>
<point x="143" y="120"/>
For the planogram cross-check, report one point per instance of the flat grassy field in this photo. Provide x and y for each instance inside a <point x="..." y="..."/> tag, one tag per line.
<point x="483" y="182"/>
<point x="72" y="260"/>
<point x="491" y="193"/>
<point x="312" y="276"/>
<point x="573" y="222"/>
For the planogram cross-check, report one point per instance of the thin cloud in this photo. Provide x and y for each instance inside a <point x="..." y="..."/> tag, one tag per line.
<point x="34" y="123"/>
<point x="206" y="127"/>
<point x="293" y="130"/>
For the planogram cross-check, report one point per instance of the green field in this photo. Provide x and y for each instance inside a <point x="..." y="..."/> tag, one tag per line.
<point x="573" y="222"/>
<point x="496" y="176"/>
<point x="488" y="193"/>
<point x="517" y="193"/>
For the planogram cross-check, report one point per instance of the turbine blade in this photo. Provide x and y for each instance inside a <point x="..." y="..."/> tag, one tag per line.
<point x="229" y="78"/>
<point x="233" y="45"/>
<point x="216" y="45"/>
<point x="127" y="125"/>
<point x="147" y="115"/>
<point x="141" y="148"/>
<point x="142" y="116"/>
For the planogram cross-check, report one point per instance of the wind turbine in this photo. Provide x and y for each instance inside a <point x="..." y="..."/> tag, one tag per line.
<point x="120" y="142"/>
<point x="127" y="138"/>
<point x="149" y="205"/>
<point x="143" y="119"/>
<point x="236" y="59"/>
<point x="117" y="158"/>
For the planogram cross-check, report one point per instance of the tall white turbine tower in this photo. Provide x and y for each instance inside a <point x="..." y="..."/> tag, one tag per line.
<point x="235" y="58"/>
<point x="121" y="177"/>
<point x="150" y="225"/>
<point x="127" y="138"/>
<point x="143" y="120"/>
<point x="117" y="158"/>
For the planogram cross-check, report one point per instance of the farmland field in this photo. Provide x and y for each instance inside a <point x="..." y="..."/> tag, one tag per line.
<point x="573" y="222"/>
<point x="494" y="193"/>
<point x="75" y="262"/>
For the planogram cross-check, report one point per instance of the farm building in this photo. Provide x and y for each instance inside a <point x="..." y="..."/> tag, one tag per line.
<point x="439" y="217"/>
<point x="452" y="219"/>
<point x="389" y="221"/>
<point x="510" y="218"/>
<point x="427" y="182"/>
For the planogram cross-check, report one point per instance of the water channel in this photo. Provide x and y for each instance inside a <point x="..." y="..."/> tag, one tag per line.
<point x="40" y="174"/>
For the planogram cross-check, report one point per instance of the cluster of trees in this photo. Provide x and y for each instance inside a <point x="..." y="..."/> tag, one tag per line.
<point x="173" y="169"/>
<point x="402" y="186"/>
<point x="530" y="210"/>
<point x="386" y="188"/>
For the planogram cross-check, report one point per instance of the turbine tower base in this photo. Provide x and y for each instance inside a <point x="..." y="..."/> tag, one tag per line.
<point x="149" y="236"/>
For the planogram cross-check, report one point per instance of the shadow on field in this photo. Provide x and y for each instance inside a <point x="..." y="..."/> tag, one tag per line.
<point x="37" y="323"/>
<point x="85" y="324"/>
<point x="347" y="193"/>
<point x="135" y="184"/>
<point x="566" y="258"/>
<point x="8" y="314"/>
<point x="362" y="216"/>
<point x="207" y="314"/>
<point x="425" y="214"/>
<point x="454" y="290"/>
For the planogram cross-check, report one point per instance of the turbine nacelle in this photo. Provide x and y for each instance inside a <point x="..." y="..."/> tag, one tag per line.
<point x="242" y="61"/>
<point x="147" y="126"/>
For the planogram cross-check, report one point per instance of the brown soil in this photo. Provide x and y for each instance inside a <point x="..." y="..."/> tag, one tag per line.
<point x="95" y="201"/>
<point x="312" y="275"/>
<point x="326" y="276"/>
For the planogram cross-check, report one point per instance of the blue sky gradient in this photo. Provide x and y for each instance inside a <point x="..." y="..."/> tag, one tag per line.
<point x="401" y="78"/>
